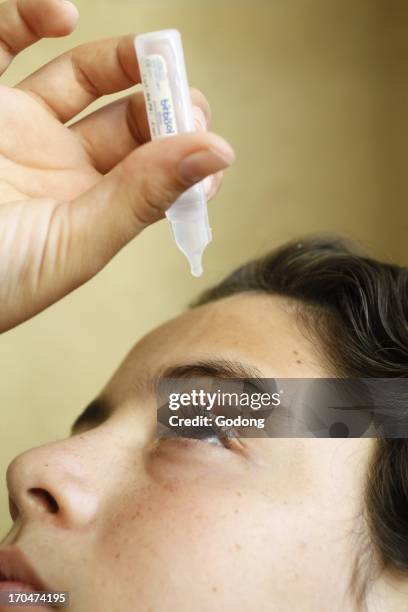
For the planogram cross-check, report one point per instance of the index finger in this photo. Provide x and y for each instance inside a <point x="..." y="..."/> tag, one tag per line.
<point x="24" y="22"/>
<point x="71" y="82"/>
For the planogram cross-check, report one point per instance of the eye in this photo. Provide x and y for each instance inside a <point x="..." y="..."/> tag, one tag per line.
<point x="211" y="434"/>
<point x="213" y="439"/>
<point x="201" y="426"/>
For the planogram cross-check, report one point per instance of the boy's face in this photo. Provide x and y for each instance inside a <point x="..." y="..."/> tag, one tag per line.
<point x="126" y="522"/>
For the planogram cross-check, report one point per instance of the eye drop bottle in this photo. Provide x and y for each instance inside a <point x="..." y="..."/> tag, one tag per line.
<point x="170" y="111"/>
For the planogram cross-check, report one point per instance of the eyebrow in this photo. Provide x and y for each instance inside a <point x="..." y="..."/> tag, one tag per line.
<point x="220" y="368"/>
<point x="100" y="409"/>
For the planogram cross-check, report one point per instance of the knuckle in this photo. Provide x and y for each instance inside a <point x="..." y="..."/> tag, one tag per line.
<point x="82" y="77"/>
<point x="154" y="197"/>
<point x="6" y="48"/>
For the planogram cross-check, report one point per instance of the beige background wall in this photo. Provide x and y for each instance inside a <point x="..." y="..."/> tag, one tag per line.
<point x="314" y="96"/>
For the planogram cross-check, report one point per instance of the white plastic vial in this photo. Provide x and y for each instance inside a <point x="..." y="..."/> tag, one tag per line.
<point x="170" y="111"/>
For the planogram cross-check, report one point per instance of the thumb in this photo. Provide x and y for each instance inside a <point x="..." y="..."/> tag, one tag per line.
<point x="136" y="193"/>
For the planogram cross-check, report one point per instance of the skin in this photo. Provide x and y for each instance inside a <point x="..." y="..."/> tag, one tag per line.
<point x="122" y="520"/>
<point x="58" y="182"/>
<point x="266" y="526"/>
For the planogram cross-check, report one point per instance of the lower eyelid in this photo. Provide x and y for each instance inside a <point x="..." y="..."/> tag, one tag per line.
<point x="240" y="451"/>
<point x="192" y="444"/>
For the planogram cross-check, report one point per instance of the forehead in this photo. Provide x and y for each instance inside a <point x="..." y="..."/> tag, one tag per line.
<point x="255" y="329"/>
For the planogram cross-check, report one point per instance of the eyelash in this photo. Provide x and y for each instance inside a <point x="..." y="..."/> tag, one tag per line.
<point x="228" y="437"/>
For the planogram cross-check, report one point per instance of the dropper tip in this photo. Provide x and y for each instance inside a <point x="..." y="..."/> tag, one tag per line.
<point x="197" y="271"/>
<point x="196" y="265"/>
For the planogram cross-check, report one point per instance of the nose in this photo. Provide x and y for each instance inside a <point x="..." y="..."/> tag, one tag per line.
<point x="68" y="481"/>
<point x="50" y="481"/>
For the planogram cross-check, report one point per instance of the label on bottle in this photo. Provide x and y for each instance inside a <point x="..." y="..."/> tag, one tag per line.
<point x="158" y="96"/>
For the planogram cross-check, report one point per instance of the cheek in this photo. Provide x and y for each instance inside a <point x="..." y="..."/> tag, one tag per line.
<point x="212" y="539"/>
<point x="176" y="531"/>
<point x="175" y="516"/>
<point x="230" y="541"/>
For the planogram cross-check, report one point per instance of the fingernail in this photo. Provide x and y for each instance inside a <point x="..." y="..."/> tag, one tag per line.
<point x="208" y="185"/>
<point x="201" y="164"/>
<point x="200" y="118"/>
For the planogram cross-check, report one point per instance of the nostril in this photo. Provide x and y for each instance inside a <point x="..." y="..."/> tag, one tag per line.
<point x="45" y="499"/>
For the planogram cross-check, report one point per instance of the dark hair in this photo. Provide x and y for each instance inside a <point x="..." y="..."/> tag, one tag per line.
<point x="358" y="308"/>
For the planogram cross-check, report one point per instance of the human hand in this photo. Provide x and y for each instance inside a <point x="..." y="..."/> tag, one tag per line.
<point x="71" y="196"/>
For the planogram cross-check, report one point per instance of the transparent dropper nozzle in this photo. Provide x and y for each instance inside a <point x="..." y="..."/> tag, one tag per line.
<point x="196" y="264"/>
<point x="192" y="238"/>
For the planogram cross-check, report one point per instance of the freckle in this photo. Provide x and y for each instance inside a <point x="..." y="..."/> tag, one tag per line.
<point x="214" y="589"/>
<point x="170" y="486"/>
<point x="239" y="493"/>
<point x="236" y="511"/>
<point x="117" y="556"/>
<point x="295" y="352"/>
<point x="298" y="361"/>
